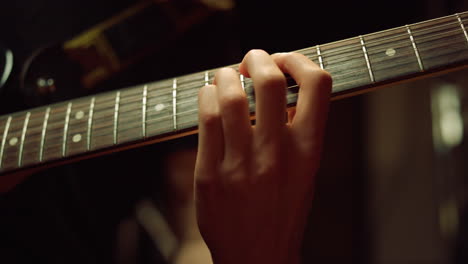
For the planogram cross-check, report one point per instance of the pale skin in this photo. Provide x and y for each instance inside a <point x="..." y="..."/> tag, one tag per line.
<point x="253" y="185"/>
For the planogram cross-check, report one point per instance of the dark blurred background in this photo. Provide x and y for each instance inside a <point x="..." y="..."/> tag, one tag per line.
<point x="389" y="190"/>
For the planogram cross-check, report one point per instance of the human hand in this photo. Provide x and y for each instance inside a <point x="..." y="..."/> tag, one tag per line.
<point x="254" y="185"/>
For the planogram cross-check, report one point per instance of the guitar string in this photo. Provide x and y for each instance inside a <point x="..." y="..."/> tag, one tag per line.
<point x="328" y="55"/>
<point x="162" y="118"/>
<point x="384" y="39"/>
<point x="122" y="106"/>
<point x="189" y="113"/>
<point x="112" y="98"/>
<point x="169" y="116"/>
<point x="369" y="42"/>
<point x="58" y="145"/>
<point x="137" y="95"/>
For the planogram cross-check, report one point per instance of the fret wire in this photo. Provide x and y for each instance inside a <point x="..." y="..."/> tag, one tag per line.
<point x="371" y="75"/>
<point x="370" y="34"/>
<point x="378" y="51"/>
<point x="43" y="133"/>
<point x="113" y="106"/>
<point x="388" y="30"/>
<point x="23" y="136"/>
<point x="337" y="51"/>
<point x="5" y="134"/>
<point x="334" y="60"/>
<point x="207" y="77"/>
<point x="65" y="129"/>
<point x="174" y="102"/>
<point x="340" y="49"/>
<point x="415" y="48"/>
<point x="110" y="106"/>
<point x="19" y="128"/>
<point x="116" y="115"/>
<point x="38" y="128"/>
<point x="463" y="27"/>
<point x="241" y="76"/>
<point x="320" y="59"/>
<point x="193" y="112"/>
<point x="90" y="123"/>
<point x="143" y="110"/>
<point x="167" y="117"/>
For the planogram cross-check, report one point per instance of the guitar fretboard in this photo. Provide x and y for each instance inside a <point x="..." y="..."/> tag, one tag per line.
<point x="135" y="114"/>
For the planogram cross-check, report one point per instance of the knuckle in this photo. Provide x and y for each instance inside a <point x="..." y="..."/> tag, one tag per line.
<point x="256" y="53"/>
<point x="235" y="170"/>
<point x="269" y="162"/>
<point x="233" y="101"/>
<point x="209" y="116"/>
<point x="318" y="77"/>
<point x="204" y="90"/>
<point x="205" y="93"/>
<point x="324" y="79"/>
<point x="271" y="78"/>
<point x="224" y="71"/>
<point x="266" y="169"/>
<point x="292" y="56"/>
<point x="210" y="119"/>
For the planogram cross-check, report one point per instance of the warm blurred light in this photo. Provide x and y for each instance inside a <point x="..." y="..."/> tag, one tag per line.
<point x="448" y="218"/>
<point x="220" y="4"/>
<point x="447" y="120"/>
<point x="158" y="229"/>
<point x="8" y="67"/>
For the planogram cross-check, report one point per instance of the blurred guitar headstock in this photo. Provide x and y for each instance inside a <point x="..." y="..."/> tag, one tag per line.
<point x="78" y="65"/>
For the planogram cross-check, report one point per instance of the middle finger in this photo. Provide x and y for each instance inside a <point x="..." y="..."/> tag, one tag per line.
<point x="270" y="89"/>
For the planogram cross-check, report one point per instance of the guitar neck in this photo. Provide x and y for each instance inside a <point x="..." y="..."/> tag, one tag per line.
<point x="164" y="109"/>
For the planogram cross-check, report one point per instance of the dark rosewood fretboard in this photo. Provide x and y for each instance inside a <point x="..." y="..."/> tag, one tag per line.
<point x="169" y="107"/>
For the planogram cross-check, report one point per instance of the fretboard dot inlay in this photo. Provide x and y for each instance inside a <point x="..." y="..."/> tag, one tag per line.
<point x="159" y="107"/>
<point x="13" y="141"/>
<point x="164" y="109"/>
<point x="76" y="138"/>
<point x="79" y="115"/>
<point x="390" y="52"/>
